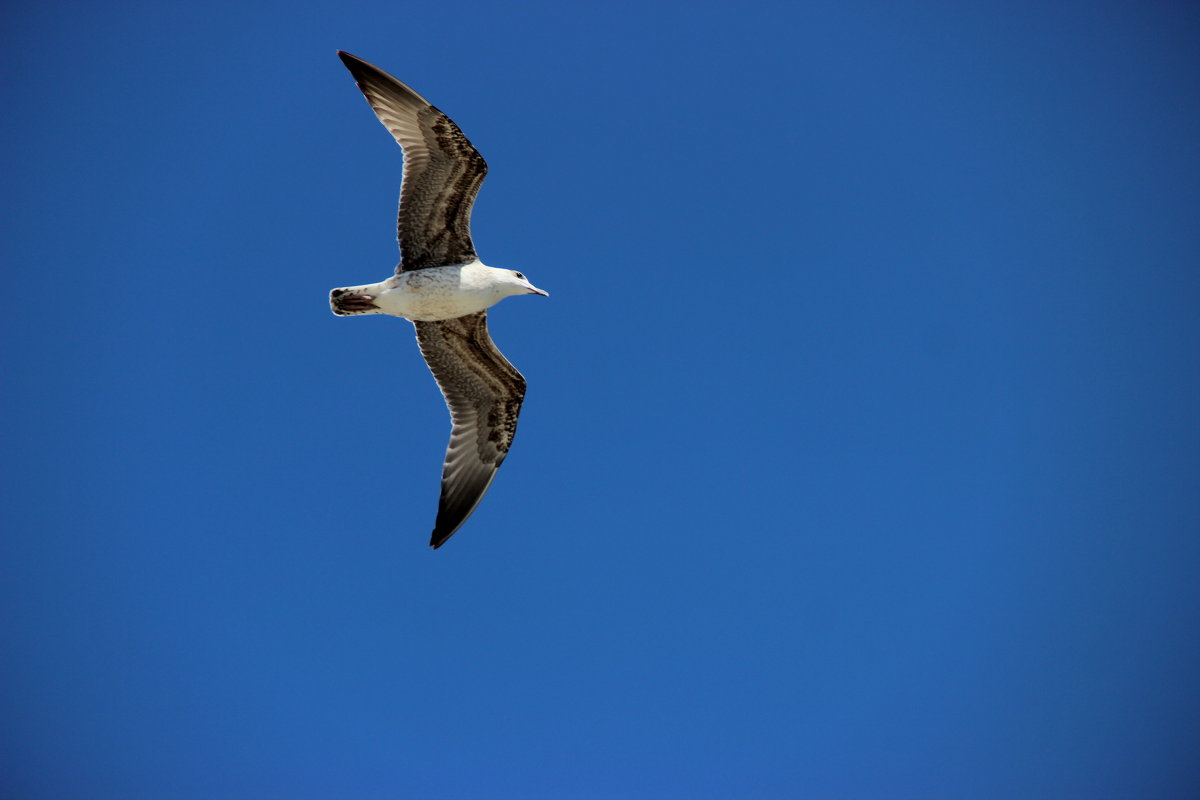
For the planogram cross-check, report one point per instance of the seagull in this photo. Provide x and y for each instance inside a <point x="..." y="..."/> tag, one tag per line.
<point x="443" y="288"/>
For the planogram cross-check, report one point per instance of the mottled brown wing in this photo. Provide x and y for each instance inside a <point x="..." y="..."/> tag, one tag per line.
<point x="484" y="393"/>
<point x="442" y="171"/>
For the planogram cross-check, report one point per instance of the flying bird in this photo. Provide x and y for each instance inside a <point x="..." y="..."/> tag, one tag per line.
<point x="442" y="287"/>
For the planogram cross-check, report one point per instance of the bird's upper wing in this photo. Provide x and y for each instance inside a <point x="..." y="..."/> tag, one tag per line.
<point x="442" y="171"/>
<point x="484" y="393"/>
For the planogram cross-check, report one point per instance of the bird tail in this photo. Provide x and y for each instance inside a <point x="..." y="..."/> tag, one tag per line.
<point x="350" y="300"/>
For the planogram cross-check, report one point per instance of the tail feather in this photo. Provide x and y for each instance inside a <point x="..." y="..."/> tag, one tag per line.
<point x="348" y="301"/>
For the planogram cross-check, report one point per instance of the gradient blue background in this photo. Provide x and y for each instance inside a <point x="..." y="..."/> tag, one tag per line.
<point x="861" y="456"/>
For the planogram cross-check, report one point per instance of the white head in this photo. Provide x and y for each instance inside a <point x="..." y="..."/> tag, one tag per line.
<point x="515" y="283"/>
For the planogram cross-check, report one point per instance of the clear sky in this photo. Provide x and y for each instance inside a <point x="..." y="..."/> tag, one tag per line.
<point x="861" y="454"/>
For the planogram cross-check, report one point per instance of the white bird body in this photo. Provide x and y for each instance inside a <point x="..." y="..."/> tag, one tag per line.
<point x="437" y="293"/>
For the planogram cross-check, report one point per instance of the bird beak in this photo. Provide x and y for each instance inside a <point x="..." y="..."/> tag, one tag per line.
<point x="534" y="290"/>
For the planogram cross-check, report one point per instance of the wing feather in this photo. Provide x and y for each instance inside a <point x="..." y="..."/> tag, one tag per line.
<point x="442" y="171"/>
<point x="484" y="393"/>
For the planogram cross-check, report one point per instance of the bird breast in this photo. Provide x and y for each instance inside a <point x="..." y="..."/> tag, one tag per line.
<point x="438" y="293"/>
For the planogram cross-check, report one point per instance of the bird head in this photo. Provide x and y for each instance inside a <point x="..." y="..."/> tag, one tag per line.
<point x="521" y="285"/>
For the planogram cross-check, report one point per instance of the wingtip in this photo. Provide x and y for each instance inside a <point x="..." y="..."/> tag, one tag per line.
<point x="353" y="62"/>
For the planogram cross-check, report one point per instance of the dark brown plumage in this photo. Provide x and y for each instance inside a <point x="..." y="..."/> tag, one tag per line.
<point x="442" y="171"/>
<point x="484" y="394"/>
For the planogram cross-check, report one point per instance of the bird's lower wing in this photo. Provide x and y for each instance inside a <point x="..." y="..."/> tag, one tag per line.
<point x="484" y="393"/>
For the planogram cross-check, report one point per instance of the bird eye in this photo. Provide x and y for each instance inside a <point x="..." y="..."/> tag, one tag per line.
<point x="519" y="275"/>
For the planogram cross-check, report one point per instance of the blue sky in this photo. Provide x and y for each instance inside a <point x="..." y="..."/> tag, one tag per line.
<point x="860" y="457"/>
